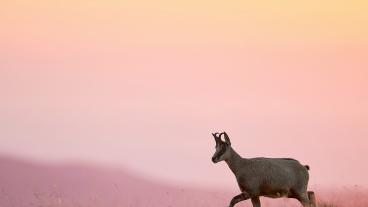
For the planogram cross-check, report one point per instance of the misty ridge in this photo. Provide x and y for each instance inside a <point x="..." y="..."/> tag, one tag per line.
<point x="25" y="183"/>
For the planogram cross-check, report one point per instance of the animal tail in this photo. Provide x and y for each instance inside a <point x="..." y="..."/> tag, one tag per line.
<point x="307" y="167"/>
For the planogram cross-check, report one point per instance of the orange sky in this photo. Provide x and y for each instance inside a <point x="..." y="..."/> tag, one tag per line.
<point x="144" y="84"/>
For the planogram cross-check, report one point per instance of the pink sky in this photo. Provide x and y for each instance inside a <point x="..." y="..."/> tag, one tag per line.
<point x="143" y="85"/>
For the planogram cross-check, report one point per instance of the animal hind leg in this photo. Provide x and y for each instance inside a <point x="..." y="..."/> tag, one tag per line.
<point x="303" y="199"/>
<point x="312" y="198"/>
<point x="256" y="202"/>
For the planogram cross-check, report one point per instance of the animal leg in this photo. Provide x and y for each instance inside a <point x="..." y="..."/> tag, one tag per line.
<point x="238" y="198"/>
<point x="312" y="198"/>
<point x="256" y="202"/>
<point x="303" y="198"/>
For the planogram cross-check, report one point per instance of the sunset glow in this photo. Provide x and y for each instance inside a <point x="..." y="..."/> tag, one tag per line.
<point x="142" y="84"/>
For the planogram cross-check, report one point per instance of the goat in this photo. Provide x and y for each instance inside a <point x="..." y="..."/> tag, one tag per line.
<point x="269" y="177"/>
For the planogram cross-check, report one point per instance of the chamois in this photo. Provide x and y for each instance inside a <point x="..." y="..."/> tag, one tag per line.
<point x="269" y="177"/>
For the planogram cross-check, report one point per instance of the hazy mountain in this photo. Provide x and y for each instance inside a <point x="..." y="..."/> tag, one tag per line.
<point x="25" y="183"/>
<point x="28" y="184"/>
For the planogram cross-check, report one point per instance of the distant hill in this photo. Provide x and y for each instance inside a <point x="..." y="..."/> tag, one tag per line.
<point x="25" y="183"/>
<point x="29" y="184"/>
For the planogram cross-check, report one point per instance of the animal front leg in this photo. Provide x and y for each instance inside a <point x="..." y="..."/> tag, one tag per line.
<point x="256" y="202"/>
<point x="238" y="198"/>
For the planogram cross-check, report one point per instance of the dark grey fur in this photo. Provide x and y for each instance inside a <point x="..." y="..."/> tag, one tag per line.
<point x="269" y="177"/>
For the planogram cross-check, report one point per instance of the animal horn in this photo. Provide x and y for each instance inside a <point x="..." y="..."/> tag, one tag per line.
<point x="216" y="136"/>
<point x="227" y="139"/>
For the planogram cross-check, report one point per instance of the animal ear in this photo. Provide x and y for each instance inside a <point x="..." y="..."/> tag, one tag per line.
<point x="227" y="139"/>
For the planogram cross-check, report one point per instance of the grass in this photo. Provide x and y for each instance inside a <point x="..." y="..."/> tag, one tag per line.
<point x="325" y="204"/>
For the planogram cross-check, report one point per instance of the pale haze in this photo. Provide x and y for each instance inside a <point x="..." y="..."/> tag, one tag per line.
<point x="142" y="86"/>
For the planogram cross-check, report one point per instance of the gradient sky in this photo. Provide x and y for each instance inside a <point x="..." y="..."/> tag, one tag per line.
<point x="142" y="84"/>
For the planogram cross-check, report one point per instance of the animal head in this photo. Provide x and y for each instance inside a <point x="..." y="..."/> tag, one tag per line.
<point x="222" y="147"/>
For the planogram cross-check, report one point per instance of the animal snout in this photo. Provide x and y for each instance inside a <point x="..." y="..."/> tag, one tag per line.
<point x="214" y="159"/>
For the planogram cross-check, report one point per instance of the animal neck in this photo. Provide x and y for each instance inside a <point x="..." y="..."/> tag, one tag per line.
<point x="234" y="160"/>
